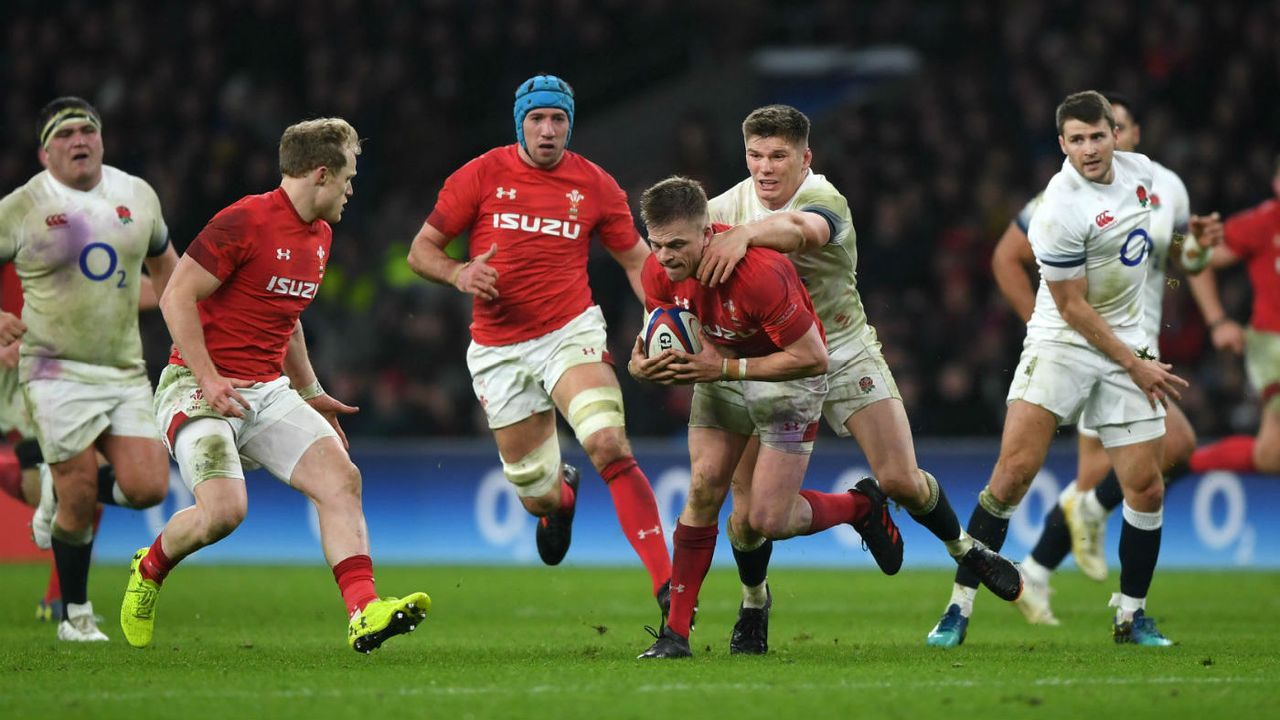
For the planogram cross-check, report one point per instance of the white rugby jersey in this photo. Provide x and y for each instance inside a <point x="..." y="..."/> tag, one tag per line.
<point x="79" y="255"/>
<point x="829" y="273"/>
<point x="1170" y="215"/>
<point x="1101" y="232"/>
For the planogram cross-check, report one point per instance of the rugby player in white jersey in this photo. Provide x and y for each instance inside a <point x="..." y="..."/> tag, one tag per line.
<point x="1076" y="522"/>
<point x="1085" y="358"/>
<point x="79" y="234"/>
<point x="788" y="207"/>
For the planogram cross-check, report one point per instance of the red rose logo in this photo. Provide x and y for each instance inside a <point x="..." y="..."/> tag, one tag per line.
<point x="123" y="213"/>
<point x="1142" y="196"/>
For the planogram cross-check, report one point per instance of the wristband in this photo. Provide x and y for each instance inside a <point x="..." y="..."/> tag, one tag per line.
<point x="312" y="390"/>
<point x="458" y="273"/>
<point x="724" y="369"/>
<point x="742" y="368"/>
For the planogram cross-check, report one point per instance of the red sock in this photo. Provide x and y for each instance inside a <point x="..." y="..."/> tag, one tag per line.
<point x="567" y="497"/>
<point x="54" y="589"/>
<point x="1234" y="453"/>
<point x="830" y="509"/>
<point x="694" y="548"/>
<point x="355" y="580"/>
<point x="638" y="515"/>
<point x="10" y="474"/>
<point x="156" y="565"/>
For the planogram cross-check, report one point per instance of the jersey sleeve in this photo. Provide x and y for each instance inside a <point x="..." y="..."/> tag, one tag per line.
<point x="657" y="288"/>
<point x="13" y="210"/>
<point x="1175" y="193"/>
<point x="159" y="240"/>
<point x="458" y="203"/>
<point x="223" y="244"/>
<point x="1058" y="243"/>
<point x="616" y="228"/>
<point x="826" y="202"/>
<point x="1243" y="233"/>
<point x="775" y="297"/>
<point x="1028" y="211"/>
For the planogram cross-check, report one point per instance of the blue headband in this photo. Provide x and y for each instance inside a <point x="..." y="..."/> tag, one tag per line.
<point x="542" y="91"/>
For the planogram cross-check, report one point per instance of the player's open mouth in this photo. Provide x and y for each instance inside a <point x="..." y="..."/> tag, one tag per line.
<point x="80" y="156"/>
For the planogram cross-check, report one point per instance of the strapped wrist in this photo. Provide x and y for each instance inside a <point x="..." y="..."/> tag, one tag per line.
<point x="457" y="273"/>
<point x="311" y="391"/>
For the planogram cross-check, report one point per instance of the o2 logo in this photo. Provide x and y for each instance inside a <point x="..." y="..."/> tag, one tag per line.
<point x="1133" y="256"/>
<point x="1222" y="530"/>
<point x="91" y="263"/>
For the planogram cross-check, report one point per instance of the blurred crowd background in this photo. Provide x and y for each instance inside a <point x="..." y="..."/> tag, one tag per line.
<point x="935" y="118"/>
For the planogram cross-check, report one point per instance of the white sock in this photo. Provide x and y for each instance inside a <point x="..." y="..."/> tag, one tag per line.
<point x="963" y="596"/>
<point x="755" y="597"/>
<point x="1126" y="606"/>
<point x="1035" y="572"/>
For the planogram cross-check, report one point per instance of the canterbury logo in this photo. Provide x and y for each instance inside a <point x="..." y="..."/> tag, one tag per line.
<point x="1104" y="218"/>
<point x="508" y="193"/>
<point x="545" y="226"/>
<point x="288" y="286"/>
<point x="56" y="220"/>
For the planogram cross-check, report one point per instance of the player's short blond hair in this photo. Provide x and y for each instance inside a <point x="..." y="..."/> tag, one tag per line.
<point x="317" y="143"/>
<point x="781" y="121"/>
<point x="675" y="199"/>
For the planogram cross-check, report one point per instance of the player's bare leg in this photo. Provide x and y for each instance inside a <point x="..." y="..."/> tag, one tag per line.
<point x="76" y="488"/>
<point x="1139" y="468"/>
<point x="713" y="454"/>
<point x="1028" y="431"/>
<point x="588" y="396"/>
<point x="136" y="474"/>
<point x="884" y="434"/>
<point x="751" y="553"/>
<point x="530" y="452"/>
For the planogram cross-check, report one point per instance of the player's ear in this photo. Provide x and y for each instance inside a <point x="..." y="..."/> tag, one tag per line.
<point x="320" y="175"/>
<point x="43" y="155"/>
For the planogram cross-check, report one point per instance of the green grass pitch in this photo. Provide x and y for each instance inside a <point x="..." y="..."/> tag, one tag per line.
<point x="269" y="642"/>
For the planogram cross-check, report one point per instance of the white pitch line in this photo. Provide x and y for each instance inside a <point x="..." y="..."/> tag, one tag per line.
<point x="445" y="690"/>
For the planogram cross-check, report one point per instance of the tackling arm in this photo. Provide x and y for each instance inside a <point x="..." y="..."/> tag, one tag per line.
<point x="782" y="231"/>
<point x="1009" y="265"/>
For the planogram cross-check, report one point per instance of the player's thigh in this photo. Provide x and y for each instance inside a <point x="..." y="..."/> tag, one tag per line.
<point x="141" y="466"/>
<point x="590" y="400"/>
<point x="283" y="430"/>
<point x="75" y="481"/>
<point x="786" y="413"/>
<point x="858" y="379"/>
<point x="1092" y="462"/>
<point x="1179" y="436"/>
<point x="1138" y="467"/>
<point x="507" y="382"/>
<point x="742" y="476"/>
<point x="518" y="439"/>
<point x="713" y="455"/>
<point x="1057" y="378"/>
<point x="324" y="470"/>
<point x="884" y="434"/>
<point x="777" y="481"/>
<point x="1024" y="444"/>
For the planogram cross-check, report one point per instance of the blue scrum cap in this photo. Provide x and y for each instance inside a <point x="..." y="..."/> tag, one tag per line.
<point x="542" y="91"/>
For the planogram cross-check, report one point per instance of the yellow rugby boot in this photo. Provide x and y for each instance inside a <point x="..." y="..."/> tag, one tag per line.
<point x="138" y="610"/>
<point x="384" y="618"/>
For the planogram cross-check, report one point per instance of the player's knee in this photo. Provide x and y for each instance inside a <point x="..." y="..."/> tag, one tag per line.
<point x="148" y="494"/>
<point x="1013" y="475"/>
<point x="770" y="522"/>
<point x="901" y="481"/>
<point x="1149" y="494"/>
<point x="607" y="446"/>
<point x="222" y="519"/>
<point x="741" y="534"/>
<point x="535" y="475"/>
<point x="597" y="419"/>
<point x="706" y="496"/>
<point x="77" y="503"/>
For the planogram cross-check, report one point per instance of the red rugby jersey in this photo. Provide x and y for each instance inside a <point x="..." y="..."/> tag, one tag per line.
<point x="270" y="263"/>
<point x="10" y="290"/>
<point x="759" y="310"/>
<point x="542" y="222"/>
<point x="1254" y="235"/>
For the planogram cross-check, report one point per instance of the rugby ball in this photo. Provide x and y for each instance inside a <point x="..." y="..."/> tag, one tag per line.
<point x="672" y="328"/>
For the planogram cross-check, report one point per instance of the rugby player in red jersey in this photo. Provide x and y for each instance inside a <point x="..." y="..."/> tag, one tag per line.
<point x="1253" y="237"/>
<point x="762" y="368"/>
<point x="529" y="210"/>
<point x="239" y="384"/>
